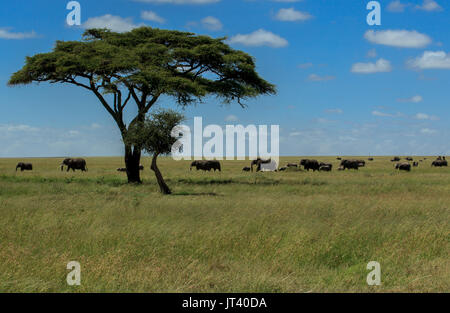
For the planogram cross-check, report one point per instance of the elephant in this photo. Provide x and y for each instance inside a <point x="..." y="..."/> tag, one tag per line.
<point x="258" y="163"/>
<point x="24" y="166"/>
<point x="74" y="164"/>
<point x="206" y="165"/>
<point x="403" y="167"/>
<point x="310" y="164"/>
<point x="440" y="163"/>
<point x="326" y="168"/>
<point x="350" y="164"/>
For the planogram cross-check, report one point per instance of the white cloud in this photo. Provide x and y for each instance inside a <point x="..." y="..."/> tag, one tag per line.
<point x="381" y="66"/>
<point x="318" y="78"/>
<point x="414" y="99"/>
<point x="396" y="6"/>
<point x="381" y="114"/>
<point x="334" y="111"/>
<point x="231" y="118"/>
<point x="5" y="33"/>
<point x="429" y="5"/>
<point x="152" y="16"/>
<point x="305" y="65"/>
<point x="292" y="15"/>
<point x="431" y="60"/>
<point x="258" y="38"/>
<point x="211" y="23"/>
<point x="179" y="1"/>
<point x="428" y="131"/>
<point x="423" y="116"/>
<point x="398" y="38"/>
<point x="114" y="23"/>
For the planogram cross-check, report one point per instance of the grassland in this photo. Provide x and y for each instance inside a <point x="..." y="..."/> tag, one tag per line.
<point x="224" y="232"/>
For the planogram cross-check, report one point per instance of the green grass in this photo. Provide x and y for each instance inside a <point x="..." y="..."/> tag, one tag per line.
<point x="232" y="231"/>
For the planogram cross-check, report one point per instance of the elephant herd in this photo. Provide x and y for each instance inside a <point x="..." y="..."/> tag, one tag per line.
<point x="71" y="163"/>
<point x="308" y="164"/>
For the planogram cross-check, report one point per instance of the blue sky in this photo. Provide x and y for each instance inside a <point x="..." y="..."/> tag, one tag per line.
<point x="344" y="87"/>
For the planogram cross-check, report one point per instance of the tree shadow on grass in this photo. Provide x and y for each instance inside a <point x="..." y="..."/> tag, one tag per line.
<point x="188" y="193"/>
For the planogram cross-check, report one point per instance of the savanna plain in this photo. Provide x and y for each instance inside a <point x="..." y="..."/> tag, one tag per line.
<point x="229" y="231"/>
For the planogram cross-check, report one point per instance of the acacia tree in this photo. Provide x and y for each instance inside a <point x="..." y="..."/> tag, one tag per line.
<point x="154" y="135"/>
<point x="143" y="65"/>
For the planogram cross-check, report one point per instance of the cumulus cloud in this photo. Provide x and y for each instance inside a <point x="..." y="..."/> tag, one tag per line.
<point x="398" y="38"/>
<point x="431" y="60"/>
<point x="6" y="33"/>
<point x="381" y="66"/>
<point x="231" y="118"/>
<point x="211" y="23"/>
<point x="258" y="38"/>
<point x="318" y="78"/>
<point x="413" y="99"/>
<point x="292" y="15"/>
<point x="114" y="23"/>
<point x="152" y="16"/>
<point x="396" y="6"/>
<point x="381" y="114"/>
<point x="428" y="131"/>
<point x="429" y="5"/>
<point x="423" y="116"/>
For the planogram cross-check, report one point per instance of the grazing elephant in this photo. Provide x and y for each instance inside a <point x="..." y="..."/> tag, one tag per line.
<point x="439" y="163"/>
<point x="403" y="167"/>
<point x="310" y="164"/>
<point x="24" y="166"/>
<point x="206" y="165"/>
<point x="74" y="164"/>
<point x="326" y="168"/>
<point x="258" y="163"/>
<point x="350" y="164"/>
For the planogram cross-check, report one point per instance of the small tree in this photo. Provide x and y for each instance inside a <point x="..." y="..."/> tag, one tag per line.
<point x="154" y="135"/>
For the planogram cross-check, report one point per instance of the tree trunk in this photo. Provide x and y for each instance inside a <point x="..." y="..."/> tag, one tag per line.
<point x="132" y="162"/>
<point x="162" y="184"/>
